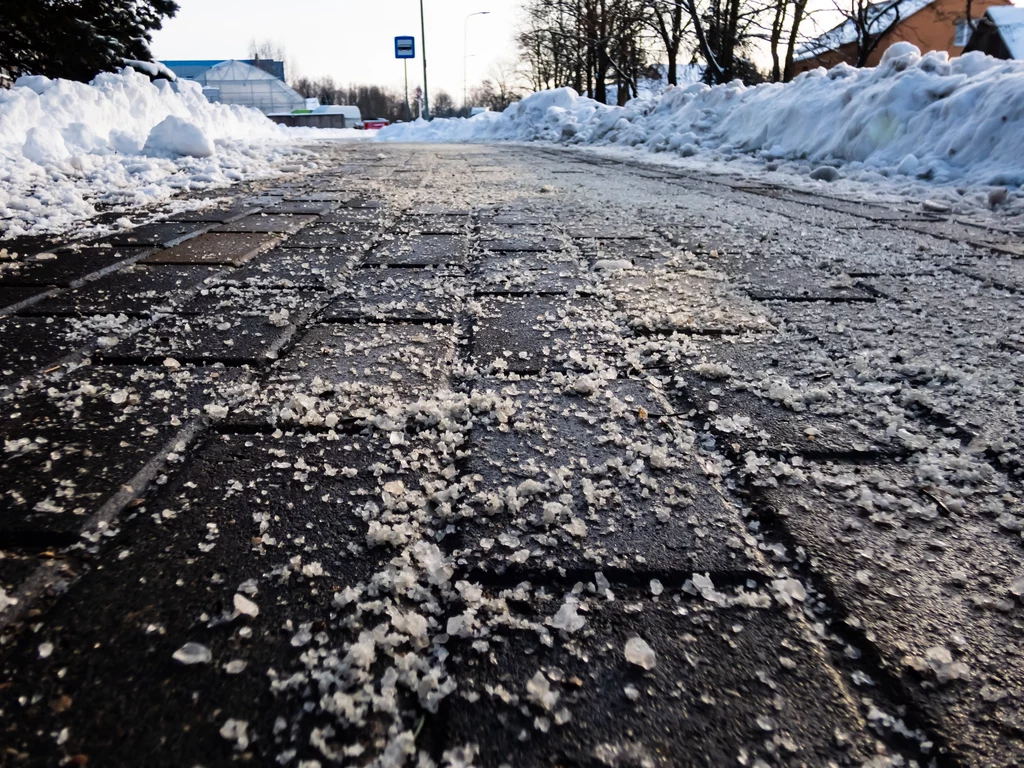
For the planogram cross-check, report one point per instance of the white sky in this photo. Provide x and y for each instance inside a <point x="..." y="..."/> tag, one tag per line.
<point x="351" y="40"/>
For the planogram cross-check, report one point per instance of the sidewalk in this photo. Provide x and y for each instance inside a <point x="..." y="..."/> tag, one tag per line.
<point x="499" y="456"/>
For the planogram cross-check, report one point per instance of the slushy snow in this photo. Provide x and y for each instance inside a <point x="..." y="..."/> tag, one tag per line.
<point x="122" y="140"/>
<point x="927" y="117"/>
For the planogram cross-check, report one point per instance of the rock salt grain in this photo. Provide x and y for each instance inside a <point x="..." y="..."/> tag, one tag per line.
<point x="640" y="653"/>
<point x="245" y="606"/>
<point x="193" y="653"/>
<point x="236" y="731"/>
<point x="567" y="619"/>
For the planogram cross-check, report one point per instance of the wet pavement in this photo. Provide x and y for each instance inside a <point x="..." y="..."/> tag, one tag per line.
<point x="469" y="455"/>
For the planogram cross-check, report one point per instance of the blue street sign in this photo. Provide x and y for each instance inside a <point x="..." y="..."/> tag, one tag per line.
<point x="405" y="47"/>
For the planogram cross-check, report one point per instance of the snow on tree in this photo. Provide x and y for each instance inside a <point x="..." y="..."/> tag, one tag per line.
<point x="77" y="39"/>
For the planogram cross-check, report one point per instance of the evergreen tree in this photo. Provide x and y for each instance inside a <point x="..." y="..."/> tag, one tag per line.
<point x="76" y="39"/>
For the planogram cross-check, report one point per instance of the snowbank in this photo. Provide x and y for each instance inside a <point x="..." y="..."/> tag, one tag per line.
<point x="120" y="140"/>
<point x="928" y="117"/>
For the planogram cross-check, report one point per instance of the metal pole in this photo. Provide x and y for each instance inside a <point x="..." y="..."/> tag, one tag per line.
<point x="408" y="111"/>
<point x="423" y="45"/>
<point x="465" y="61"/>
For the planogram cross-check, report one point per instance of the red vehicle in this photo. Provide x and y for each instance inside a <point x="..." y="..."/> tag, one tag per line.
<point x="375" y="125"/>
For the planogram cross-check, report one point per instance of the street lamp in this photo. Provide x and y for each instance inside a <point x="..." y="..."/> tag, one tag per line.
<point x="423" y="45"/>
<point x="465" y="55"/>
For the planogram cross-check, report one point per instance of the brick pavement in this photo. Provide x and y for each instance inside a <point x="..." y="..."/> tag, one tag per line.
<point x="394" y="464"/>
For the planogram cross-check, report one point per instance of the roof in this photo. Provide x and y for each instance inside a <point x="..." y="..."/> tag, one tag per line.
<point x="881" y="16"/>
<point x="235" y="70"/>
<point x="193" y="69"/>
<point x="1009" y="21"/>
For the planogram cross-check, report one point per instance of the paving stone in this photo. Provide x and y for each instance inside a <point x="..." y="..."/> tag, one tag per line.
<point x="516" y="219"/>
<point x="791" y="292"/>
<point x="214" y="215"/>
<point x="29" y="245"/>
<point x="263" y="200"/>
<point x="1015" y="250"/>
<point x="632" y="249"/>
<point x="32" y="344"/>
<point x="112" y="680"/>
<point x="440" y="210"/>
<point x="521" y="244"/>
<point x="310" y="268"/>
<point x="232" y="339"/>
<point x="307" y="207"/>
<point x="337" y="234"/>
<point x="529" y="334"/>
<point x="748" y="421"/>
<point x="9" y="297"/>
<point x="501" y="232"/>
<point x="163" y="233"/>
<point x="269" y="223"/>
<point x="587" y="484"/>
<point x="1005" y="273"/>
<point x="416" y="295"/>
<point x="728" y="685"/>
<point x="18" y="563"/>
<point x="137" y="290"/>
<point x="412" y="360"/>
<point x="347" y="217"/>
<point x="917" y="570"/>
<point x="420" y="251"/>
<point x="667" y="302"/>
<point x="215" y="248"/>
<point x="335" y="373"/>
<point x="589" y="232"/>
<point x="802" y="285"/>
<point x="230" y="300"/>
<point x="554" y="261"/>
<point x="63" y="268"/>
<point x="318" y="197"/>
<point x="362" y="202"/>
<point x="434" y="224"/>
<point x="492" y="282"/>
<point x="73" y="444"/>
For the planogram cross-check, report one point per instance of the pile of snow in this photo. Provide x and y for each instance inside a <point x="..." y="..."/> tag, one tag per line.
<point x="121" y="140"/>
<point x="928" y="117"/>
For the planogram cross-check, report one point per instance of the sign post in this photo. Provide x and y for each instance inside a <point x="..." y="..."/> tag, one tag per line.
<point x="423" y="40"/>
<point x="405" y="49"/>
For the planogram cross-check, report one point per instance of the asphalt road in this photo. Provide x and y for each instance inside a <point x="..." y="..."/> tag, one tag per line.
<point x="495" y="455"/>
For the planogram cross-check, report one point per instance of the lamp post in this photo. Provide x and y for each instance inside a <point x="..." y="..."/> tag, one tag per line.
<point x="465" y="55"/>
<point x="423" y="44"/>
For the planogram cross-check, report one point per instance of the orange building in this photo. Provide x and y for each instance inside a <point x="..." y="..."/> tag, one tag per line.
<point x="938" y="25"/>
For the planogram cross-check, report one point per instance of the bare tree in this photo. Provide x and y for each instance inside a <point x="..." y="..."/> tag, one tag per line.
<point x="787" y="16"/>
<point x="671" y="25"/>
<point x="869" y="22"/>
<point x="272" y="50"/>
<point x="266" y="49"/>
<point x="585" y="44"/>
<point x="443" y="104"/>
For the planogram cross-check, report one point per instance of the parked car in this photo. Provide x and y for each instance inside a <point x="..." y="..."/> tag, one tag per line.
<point x="375" y="124"/>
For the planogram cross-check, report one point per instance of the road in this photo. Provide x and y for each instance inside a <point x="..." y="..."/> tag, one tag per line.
<point x="502" y="455"/>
